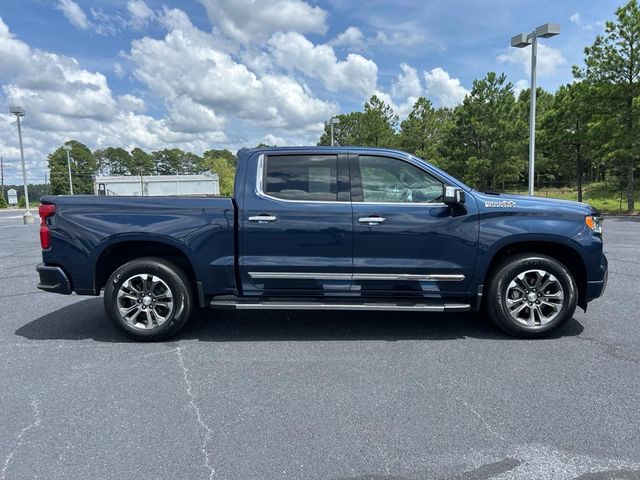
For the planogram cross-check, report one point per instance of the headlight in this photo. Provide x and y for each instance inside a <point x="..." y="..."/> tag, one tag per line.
<point x="594" y="223"/>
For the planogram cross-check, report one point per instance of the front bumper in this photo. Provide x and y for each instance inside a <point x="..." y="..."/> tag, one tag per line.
<point x="596" y="288"/>
<point x="53" y="279"/>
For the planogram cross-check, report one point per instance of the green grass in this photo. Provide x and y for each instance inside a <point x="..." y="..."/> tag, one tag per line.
<point x="598" y="195"/>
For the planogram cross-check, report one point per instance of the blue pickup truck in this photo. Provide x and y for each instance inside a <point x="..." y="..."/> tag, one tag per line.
<point x="326" y="228"/>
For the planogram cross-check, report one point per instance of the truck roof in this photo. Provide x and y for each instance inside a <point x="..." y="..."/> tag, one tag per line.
<point x="323" y="148"/>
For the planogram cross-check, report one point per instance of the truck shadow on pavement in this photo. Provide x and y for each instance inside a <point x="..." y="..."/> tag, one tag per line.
<point x="86" y="320"/>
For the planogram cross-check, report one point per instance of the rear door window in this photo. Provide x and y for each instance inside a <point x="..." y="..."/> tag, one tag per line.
<point x="302" y="177"/>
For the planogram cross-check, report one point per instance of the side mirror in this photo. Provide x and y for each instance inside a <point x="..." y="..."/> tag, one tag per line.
<point x="453" y="196"/>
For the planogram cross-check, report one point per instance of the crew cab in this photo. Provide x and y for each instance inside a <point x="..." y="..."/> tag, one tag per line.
<point x="326" y="228"/>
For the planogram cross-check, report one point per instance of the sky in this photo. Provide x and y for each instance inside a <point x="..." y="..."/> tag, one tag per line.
<point x="202" y="74"/>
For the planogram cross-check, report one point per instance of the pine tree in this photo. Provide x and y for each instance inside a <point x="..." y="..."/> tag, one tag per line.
<point x="612" y="65"/>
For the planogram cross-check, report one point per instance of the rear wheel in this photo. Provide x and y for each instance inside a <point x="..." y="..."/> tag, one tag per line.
<point x="149" y="298"/>
<point x="530" y="295"/>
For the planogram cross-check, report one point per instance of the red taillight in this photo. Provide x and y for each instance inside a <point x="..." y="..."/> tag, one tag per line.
<point x="45" y="211"/>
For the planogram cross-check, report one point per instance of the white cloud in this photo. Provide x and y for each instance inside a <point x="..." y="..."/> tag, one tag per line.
<point x="187" y="116"/>
<point x="520" y="86"/>
<point x="549" y="59"/>
<point x="64" y="101"/>
<point x="401" y="39"/>
<point x="440" y="86"/>
<point x="74" y="13"/>
<point x="270" y="139"/>
<point x="577" y="19"/>
<point x="352" y="38"/>
<point x="248" y="21"/>
<point x="118" y="70"/>
<point x="191" y="63"/>
<point x="294" y="52"/>
<point x="131" y="103"/>
<point x="140" y="13"/>
<point x="404" y="92"/>
<point x="407" y="83"/>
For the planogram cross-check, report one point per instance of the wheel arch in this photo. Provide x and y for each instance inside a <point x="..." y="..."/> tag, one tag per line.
<point x="117" y="254"/>
<point x="563" y="253"/>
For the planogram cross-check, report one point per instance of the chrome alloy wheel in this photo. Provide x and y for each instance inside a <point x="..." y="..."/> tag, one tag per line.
<point x="145" y="301"/>
<point x="534" y="298"/>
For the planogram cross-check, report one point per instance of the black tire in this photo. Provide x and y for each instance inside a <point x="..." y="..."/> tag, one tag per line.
<point x="172" y="278"/>
<point x="496" y="297"/>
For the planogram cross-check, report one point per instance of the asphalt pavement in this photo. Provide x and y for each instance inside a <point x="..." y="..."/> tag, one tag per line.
<point x="316" y="395"/>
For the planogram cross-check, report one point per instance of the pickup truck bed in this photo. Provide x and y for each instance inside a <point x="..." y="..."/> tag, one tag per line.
<point x="91" y="233"/>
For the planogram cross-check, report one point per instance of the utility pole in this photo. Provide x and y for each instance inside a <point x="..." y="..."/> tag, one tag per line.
<point x="68" y="149"/>
<point x="333" y="121"/>
<point x="2" y="176"/>
<point x="27" y="218"/>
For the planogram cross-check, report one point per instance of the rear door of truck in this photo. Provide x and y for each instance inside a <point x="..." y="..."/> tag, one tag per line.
<point x="295" y="226"/>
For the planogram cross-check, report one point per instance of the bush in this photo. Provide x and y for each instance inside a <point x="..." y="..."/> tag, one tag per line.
<point x="21" y="203"/>
<point x="3" y="202"/>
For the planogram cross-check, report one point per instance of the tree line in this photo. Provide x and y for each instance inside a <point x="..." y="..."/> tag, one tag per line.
<point x="587" y="130"/>
<point x="86" y="164"/>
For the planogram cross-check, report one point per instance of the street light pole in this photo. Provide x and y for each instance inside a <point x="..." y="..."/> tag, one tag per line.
<point x="532" y="115"/>
<point x="19" y="112"/>
<point x="68" y="149"/>
<point x="520" y="41"/>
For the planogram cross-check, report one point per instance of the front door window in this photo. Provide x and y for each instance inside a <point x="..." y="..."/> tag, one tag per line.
<point x="389" y="180"/>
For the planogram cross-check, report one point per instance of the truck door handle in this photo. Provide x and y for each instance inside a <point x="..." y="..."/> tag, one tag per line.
<point x="375" y="220"/>
<point x="263" y="218"/>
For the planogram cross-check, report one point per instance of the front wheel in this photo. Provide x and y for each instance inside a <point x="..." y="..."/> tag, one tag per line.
<point x="149" y="298"/>
<point x="530" y="295"/>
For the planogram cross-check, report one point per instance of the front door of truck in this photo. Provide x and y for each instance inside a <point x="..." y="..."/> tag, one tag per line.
<point x="406" y="241"/>
<point x="296" y="226"/>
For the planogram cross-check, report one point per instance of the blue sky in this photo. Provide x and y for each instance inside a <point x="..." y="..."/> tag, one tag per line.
<point x="232" y="73"/>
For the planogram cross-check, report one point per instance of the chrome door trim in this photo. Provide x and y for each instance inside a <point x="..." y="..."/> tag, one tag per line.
<point x="306" y="305"/>
<point x="300" y="276"/>
<point x="409" y="277"/>
<point x="404" y="204"/>
<point x="437" y="277"/>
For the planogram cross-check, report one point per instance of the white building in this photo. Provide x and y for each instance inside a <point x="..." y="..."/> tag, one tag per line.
<point x="158" y="185"/>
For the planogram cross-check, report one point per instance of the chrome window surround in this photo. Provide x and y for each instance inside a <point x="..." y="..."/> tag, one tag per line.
<point x="260" y="187"/>
<point x="260" y="191"/>
<point x="419" y="204"/>
<point x="437" y="277"/>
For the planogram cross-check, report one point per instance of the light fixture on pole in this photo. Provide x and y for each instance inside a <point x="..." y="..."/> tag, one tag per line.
<point x="19" y="112"/>
<point x="520" y="41"/>
<point x="68" y="149"/>
<point x="333" y="121"/>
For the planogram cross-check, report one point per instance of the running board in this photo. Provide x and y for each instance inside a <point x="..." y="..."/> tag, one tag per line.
<point x="378" y="306"/>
